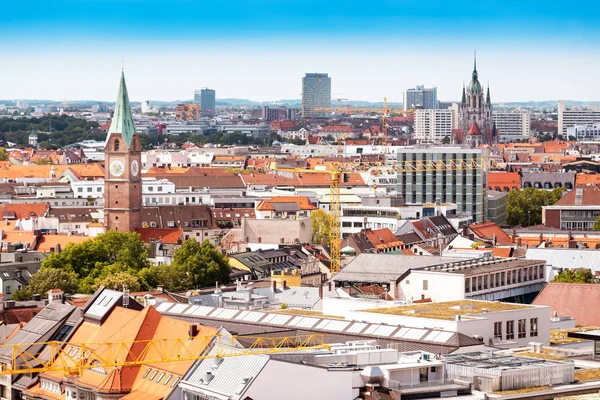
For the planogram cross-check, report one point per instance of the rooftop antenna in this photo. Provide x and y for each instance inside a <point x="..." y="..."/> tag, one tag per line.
<point x="125" y="296"/>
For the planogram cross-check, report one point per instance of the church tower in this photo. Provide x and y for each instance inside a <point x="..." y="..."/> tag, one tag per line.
<point x="122" y="158"/>
<point x="475" y="113"/>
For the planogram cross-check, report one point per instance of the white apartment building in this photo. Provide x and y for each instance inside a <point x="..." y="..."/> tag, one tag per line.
<point x="569" y="117"/>
<point x="431" y="126"/>
<point x="292" y="135"/>
<point x="182" y="158"/>
<point x="585" y="132"/>
<point x="512" y="124"/>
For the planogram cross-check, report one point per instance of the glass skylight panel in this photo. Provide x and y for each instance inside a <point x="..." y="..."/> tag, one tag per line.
<point x="356" y="327"/>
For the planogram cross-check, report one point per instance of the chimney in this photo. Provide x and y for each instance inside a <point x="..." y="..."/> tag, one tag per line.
<point x="274" y="286"/>
<point x="160" y="289"/>
<point x="422" y="297"/>
<point x="320" y="291"/>
<point x="259" y="239"/>
<point x="55" y="296"/>
<point x="193" y="331"/>
<point x="58" y="249"/>
<point x="471" y="236"/>
<point x="51" y="249"/>
<point x="464" y="231"/>
<point x="282" y="240"/>
<point x="8" y="304"/>
<point x="519" y="242"/>
<point x="284" y="284"/>
<point x="329" y="286"/>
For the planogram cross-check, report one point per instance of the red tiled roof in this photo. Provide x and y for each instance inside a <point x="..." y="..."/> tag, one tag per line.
<point x="165" y="235"/>
<point x="474" y="129"/>
<point x="25" y="211"/>
<point x="303" y="203"/>
<point x="576" y="300"/>
<point x="590" y="196"/>
<point x="511" y="180"/>
<point x="382" y="238"/>
<point x="337" y="128"/>
<point x="489" y="230"/>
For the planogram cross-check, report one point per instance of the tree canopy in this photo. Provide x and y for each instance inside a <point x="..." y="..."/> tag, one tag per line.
<point x="194" y="265"/>
<point x="46" y="279"/>
<point x="321" y="225"/>
<point x="524" y="207"/>
<point x="581" y="275"/>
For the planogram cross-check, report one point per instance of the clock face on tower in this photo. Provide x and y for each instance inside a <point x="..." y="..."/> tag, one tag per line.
<point x="135" y="167"/>
<point x="117" y="167"/>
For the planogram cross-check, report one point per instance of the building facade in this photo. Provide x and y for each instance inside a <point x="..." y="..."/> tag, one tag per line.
<point x="476" y="123"/>
<point x="206" y="99"/>
<point x="432" y="126"/>
<point x="466" y="188"/>
<point x="316" y="93"/>
<point x="583" y="132"/>
<point x="512" y="125"/>
<point x="569" y="117"/>
<point x="187" y="112"/>
<point x="122" y="182"/>
<point x="420" y="96"/>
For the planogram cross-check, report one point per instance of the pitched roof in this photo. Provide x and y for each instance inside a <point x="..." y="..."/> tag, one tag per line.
<point x="582" y="195"/>
<point x="489" y="230"/>
<point x="47" y="242"/>
<point x="474" y="129"/>
<point x="576" y="300"/>
<point x="382" y="238"/>
<point x="23" y="211"/>
<point x="122" y="121"/>
<point x="165" y="235"/>
<point x="511" y="180"/>
<point x="283" y="203"/>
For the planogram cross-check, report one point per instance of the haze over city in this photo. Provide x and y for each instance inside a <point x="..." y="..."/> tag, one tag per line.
<point x="259" y="51"/>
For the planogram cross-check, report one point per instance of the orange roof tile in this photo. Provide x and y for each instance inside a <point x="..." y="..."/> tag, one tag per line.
<point x="19" y="237"/>
<point x="474" y="129"/>
<point x="303" y="203"/>
<point x="590" y="196"/>
<point x="25" y="211"/>
<point x="269" y="180"/>
<point x="511" y="180"/>
<point x="47" y="242"/>
<point x="382" y="238"/>
<point x="165" y="235"/>
<point x="489" y="230"/>
<point x="584" y="179"/>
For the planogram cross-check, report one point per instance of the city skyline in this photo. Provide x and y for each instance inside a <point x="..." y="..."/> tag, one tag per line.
<point x="62" y="51"/>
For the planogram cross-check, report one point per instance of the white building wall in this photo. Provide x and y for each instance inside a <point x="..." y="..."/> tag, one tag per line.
<point x="576" y="116"/>
<point x="512" y="124"/>
<point x="431" y="126"/>
<point x="438" y="287"/>
<point x="279" y="380"/>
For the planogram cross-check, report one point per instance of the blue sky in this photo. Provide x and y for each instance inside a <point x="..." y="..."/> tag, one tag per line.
<point x="72" y="49"/>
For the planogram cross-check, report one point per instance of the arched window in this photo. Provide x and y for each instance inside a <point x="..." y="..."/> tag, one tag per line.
<point x="117" y="144"/>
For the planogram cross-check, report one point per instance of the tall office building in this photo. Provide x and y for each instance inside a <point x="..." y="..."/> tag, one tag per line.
<point x="206" y="98"/>
<point x="569" y="117"/>
<point x="432" y="126"/>
<point x="421" y="96"/>
<point x="512" y="124"/>
<point x="316" y="93"/>
<point x="465" y="188"/>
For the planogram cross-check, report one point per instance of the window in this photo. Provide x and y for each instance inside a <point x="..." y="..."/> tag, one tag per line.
<point x="425" y="285"/>
<point x="510" y="330"/>
<point x="150" y="189"/>
<point x="533" y="327"/>
<point x="80" y="190"/>
<point x="89" y="189"/>
<point x="153" y="375"/>
<point x="498" y="330"/>
<point x="117" y="145"/>
<point x="433" y="369"/>
<point x="167" y="380"/>
<point x="522" y="329"/>
<point x="8" y="290"/>
<point x="146" y="373"/>
<point x="63" y="333"/>
<point x="162" y="374"/>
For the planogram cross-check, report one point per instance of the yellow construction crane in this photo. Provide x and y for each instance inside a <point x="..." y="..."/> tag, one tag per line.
<point x="73" y="358"/>
<point x="339" y="173"/>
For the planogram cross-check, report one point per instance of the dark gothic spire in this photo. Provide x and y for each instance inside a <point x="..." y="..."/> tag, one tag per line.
<point x="487" y="97"/>
<point x="464" y="96"/>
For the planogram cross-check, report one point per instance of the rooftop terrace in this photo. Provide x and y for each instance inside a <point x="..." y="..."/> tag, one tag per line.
<point x="450" y="310"/>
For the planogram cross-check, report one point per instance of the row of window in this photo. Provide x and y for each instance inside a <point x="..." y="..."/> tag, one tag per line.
<point x="151" y="374"/>
<point x="503" y="278"/>
<point x="521" y="329"/>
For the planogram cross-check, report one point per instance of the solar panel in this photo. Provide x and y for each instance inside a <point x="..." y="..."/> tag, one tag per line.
<point x="307" y="322"/>
<point x="202" y="311"/>
<point x="415" y="334"/>
<point x="402" y="332"/>
<point x="164" y="306"/>
<point x="242" y="315"/>
<point x="431" y="336"/>
<point x="356" y="327"/>
<point x="323" y="323"/>
<point x="228" y="313"/>
<point x="337" y="326"/>
<point x="385" y="331"/>
<point x="371" y="329"/>
<point x="254" y="316"/>
<point x="191" y="310"/>
<point x="178" y="308"/>
<point x="280" y="319"/>
<point x="217" y="312"/>
<point x="268" y="318"/>
<point x="443" y="337"/>
<point x="295" y="321"/>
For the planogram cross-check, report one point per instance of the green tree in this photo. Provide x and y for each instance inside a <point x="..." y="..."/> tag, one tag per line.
<point x="95" y="259"/>
<point x="3" y="154"/>
<point x="203" y="264"/>
<point x="172" y="278"/>
<point x="46" y="279"/>
<point x="597" y="224"/>
<point x="581" y="275"/>
<point x="118" y="281"/>
<point x="321" y="225"/>
<point x="524" y="207"/>
<point x="44" y="161"/>
<point x="446" y="140"/>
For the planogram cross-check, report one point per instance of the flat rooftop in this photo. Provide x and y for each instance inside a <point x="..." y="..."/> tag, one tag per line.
<point x="449" y="310"/>
<point x="497" y="361"/>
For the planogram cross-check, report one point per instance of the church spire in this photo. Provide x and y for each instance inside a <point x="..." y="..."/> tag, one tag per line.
<point x="464" y="96"/>
<point x="487" y="97"/>
<point x="122" y="121"/>
<point x="475" y="65"/>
